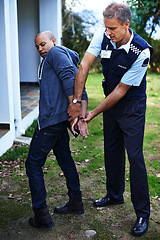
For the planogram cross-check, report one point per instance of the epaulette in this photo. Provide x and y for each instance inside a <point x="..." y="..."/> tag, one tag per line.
<point x="135" y="49"/>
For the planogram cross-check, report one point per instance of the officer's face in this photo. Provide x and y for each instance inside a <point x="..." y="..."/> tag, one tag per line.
<point x="115" y="30"/>
<point x="43" y="44"/>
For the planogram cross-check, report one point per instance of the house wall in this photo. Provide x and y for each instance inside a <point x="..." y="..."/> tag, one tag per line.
<point x="50" y="17"/>
<point x="33" y="17"/>
<point x="28" y="27"/>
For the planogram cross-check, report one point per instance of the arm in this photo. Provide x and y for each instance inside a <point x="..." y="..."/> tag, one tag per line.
<point x="109" y="101"/>
<point x="63" y="67"/>
<point x="81" y="126"/>
<point x="87" y="61"/>
<point x="138" y="69"/>
<point x="74" y="110"/>
<point x="73" y="123"/>
<point x="82" y="74"/>
<point x="84" y="106"/>
<point x="70" y="98"/>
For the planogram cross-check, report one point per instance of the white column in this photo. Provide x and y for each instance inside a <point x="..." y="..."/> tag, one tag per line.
<point x="8" y="40"/>
<point x="15" y="66"/>
<point x="4" y="98"/>
<point x="50" y="12"/>
<point x="6" y="87"/>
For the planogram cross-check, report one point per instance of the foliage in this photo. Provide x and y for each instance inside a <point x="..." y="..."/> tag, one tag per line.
<point x="75" y="34"/>
<point x="155" y="59"/>
<point x="145" y="16"/>
<point x="74" y="37"/>
<point x="75" y="31"/>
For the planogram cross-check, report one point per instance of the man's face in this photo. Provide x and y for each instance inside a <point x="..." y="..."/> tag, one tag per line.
<point x="43" y="44"/>
<point x="115" y="30"/>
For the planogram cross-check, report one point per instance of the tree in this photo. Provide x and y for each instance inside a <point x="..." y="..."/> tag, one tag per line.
<point x="145" y="16"/>
<point x="75" y="28"/>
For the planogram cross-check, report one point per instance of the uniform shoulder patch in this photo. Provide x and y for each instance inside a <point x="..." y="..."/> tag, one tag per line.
<point x="145" y="62"/>
<point x="135" y="49"/>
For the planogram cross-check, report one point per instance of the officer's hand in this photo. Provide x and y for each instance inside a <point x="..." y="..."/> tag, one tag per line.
<point x="83" y="128"/>
<point x="89" y="117"/>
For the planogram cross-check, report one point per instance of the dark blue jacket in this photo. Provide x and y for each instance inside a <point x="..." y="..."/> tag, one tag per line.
<point x="120" y="62"/>
<point x="57" y="83"/>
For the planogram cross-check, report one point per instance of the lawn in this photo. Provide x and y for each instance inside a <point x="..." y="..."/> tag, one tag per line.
<point x="109" y="223"/>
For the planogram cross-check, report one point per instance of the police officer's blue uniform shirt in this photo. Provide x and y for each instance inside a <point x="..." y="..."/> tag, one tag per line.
<point x="135" y="74"/>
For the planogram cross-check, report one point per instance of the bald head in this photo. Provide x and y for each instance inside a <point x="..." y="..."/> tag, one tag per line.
<point x="44" y="41"/>
<point x="49" y="34"/>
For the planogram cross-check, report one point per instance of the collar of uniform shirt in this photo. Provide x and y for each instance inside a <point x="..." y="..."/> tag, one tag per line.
<point x="126" y="46"/>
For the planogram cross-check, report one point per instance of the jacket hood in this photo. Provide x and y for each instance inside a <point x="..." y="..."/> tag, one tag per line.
<point x="74" y="55"/>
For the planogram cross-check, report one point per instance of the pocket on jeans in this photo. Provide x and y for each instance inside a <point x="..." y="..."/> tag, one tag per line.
<point x="47" y="143"/>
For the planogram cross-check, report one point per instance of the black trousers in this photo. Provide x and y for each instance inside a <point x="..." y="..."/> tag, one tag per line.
<point x="124" y="129"/>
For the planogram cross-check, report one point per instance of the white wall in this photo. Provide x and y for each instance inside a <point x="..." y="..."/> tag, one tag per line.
<point x="35" y="16"/>
<point x="50" y="12"/>
<point x="28" y="27"/>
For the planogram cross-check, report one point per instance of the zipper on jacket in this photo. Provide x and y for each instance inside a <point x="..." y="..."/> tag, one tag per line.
<point x="38" y="125"/>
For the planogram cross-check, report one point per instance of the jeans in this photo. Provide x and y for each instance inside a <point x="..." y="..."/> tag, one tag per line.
<point x="53" y="137"/>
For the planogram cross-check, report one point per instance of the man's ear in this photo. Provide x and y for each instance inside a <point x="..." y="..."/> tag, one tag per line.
<point x="54" y="41"/>
<point x="128" y="23"/>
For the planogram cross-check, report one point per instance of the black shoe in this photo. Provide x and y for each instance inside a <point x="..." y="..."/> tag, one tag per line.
<point x="41" y="219"/>
<point x="140" y="227"/>
<point x="75" y="205"/>
<point x="106" y="201"/>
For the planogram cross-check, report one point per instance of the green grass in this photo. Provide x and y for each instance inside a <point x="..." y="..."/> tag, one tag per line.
<point x="112" y="223"/>
<point x="29" y="132"/>
<point x="18" y="152"/>
<point x="92" y="147"/>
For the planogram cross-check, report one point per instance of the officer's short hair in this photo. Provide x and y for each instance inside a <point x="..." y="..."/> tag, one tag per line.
<point x="118" y="10"/>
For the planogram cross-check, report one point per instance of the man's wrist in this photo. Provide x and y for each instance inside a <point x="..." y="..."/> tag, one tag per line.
<point x="76" y="101"/>
<point x="81" y="118"/>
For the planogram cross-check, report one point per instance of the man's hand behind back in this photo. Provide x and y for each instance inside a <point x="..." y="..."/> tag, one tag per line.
<point x="74" y="110"/>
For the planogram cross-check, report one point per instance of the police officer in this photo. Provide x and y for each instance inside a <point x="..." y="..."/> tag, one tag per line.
<point x="124" y="57"/>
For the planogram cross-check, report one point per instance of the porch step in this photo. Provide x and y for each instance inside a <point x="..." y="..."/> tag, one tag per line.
<point x="23" y="140"/>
